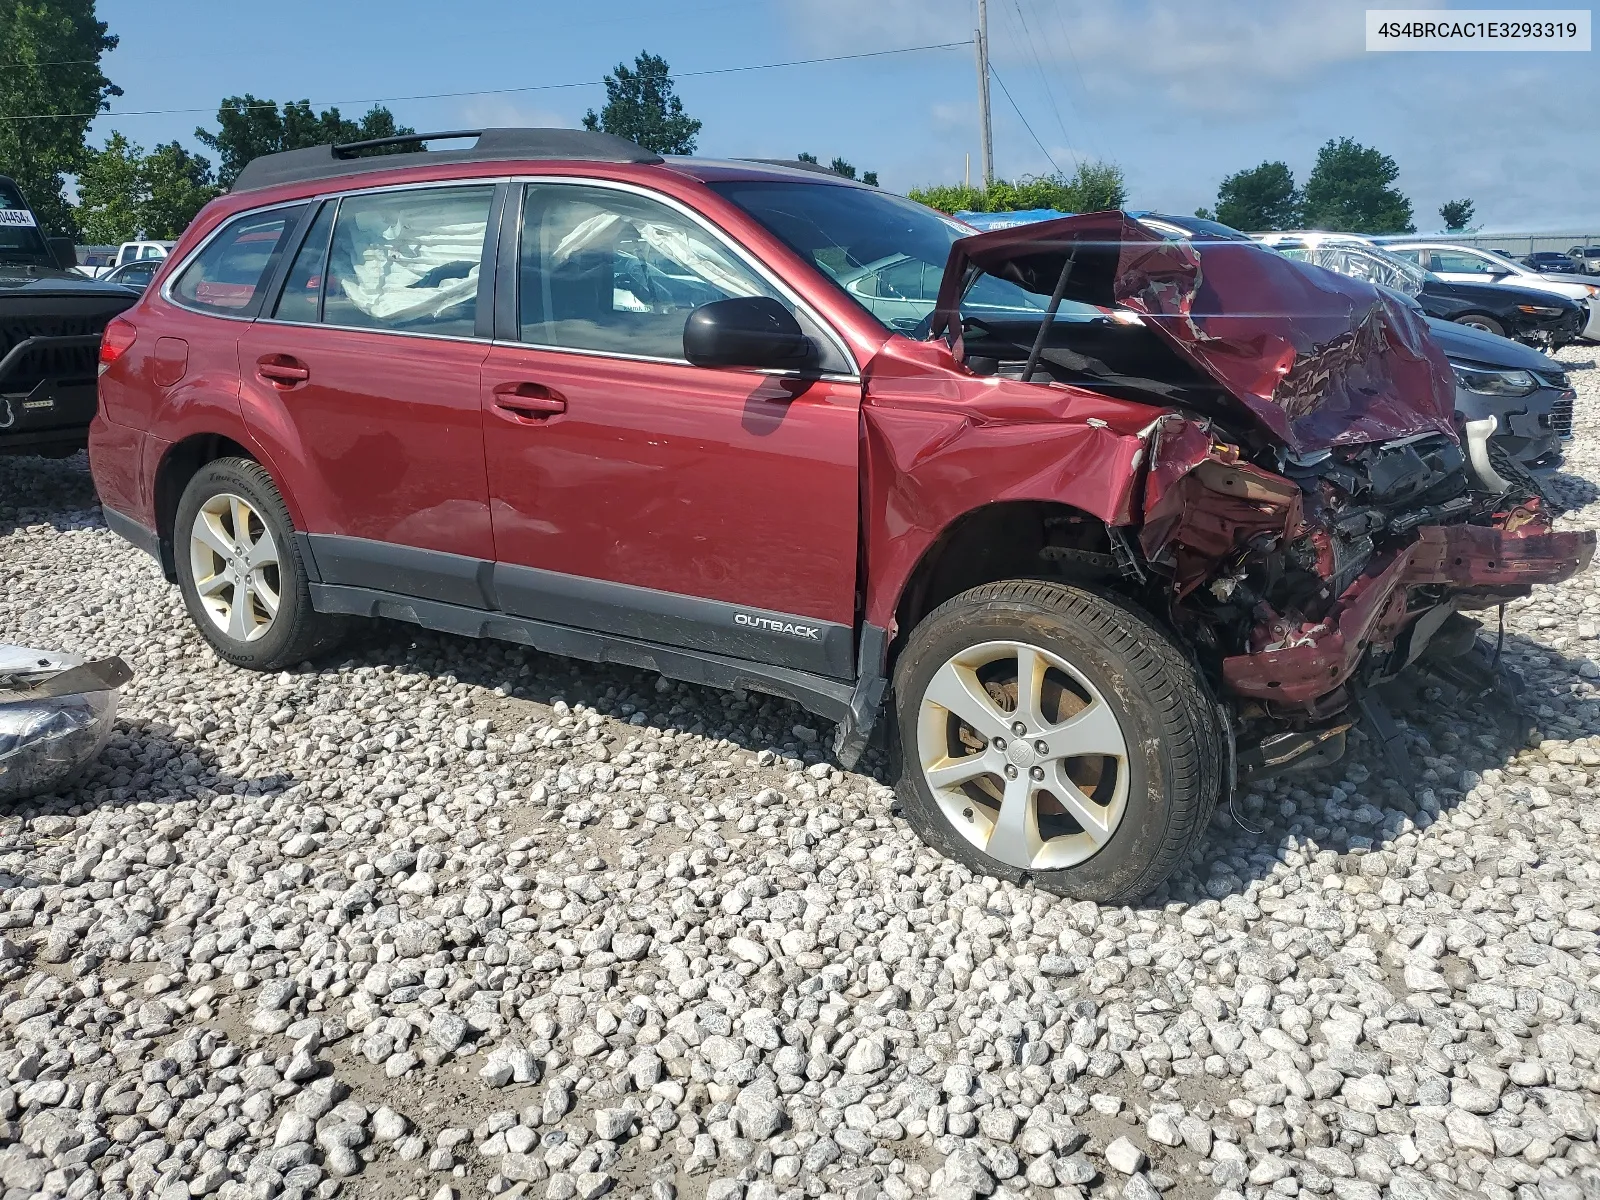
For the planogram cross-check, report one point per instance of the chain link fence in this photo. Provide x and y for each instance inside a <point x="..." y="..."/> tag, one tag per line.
<point x="1518" y="244"/>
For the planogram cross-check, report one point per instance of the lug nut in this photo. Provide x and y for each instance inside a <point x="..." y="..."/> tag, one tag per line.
<point x="1018" y="728"/>
<point x="1011" y="772"/>
<point x="1042" y="746"/>
<point x="998" y="743"/>
<point x="1037" y="773"/>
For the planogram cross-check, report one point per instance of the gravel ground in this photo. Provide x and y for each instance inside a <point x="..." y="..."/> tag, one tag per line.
<point x="447" y="918"/>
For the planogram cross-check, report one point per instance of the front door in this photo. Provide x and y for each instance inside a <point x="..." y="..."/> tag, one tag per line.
<point x="1463" y="266"/>
<point x="635" y="494"/>
<point x="365" y="374"/>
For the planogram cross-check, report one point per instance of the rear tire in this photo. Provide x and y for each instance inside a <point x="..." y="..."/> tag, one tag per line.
<point x="1115" y="720"/>
<point x="1485" y="323"/>
<point x="240" y="570"/>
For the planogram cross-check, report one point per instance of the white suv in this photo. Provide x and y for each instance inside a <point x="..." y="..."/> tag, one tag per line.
<point x="1469" y="264"/>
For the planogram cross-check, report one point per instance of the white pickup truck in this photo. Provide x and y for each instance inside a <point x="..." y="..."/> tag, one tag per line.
<point x="96" y="265"/>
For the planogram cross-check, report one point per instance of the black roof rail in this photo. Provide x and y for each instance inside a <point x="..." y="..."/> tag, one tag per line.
<point x="353" y="149"/>
<point x="493" y="145"/>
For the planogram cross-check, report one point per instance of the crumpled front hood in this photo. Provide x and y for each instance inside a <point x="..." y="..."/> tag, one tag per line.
<point x="1318" y="358"/>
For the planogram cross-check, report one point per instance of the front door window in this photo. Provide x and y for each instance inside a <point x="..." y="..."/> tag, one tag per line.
<point x="614" y="272"/>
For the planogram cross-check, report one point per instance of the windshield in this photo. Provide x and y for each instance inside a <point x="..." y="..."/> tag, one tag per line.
<point x="1360" y="261"/>
<point x="20" y="239"/>
<point x="887" y="253"/>
<point x="1510" y="264"/>
<point x="1193" y="228"/>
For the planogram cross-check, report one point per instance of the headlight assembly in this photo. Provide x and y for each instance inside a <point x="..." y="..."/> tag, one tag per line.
<point x="1494" y="383"/>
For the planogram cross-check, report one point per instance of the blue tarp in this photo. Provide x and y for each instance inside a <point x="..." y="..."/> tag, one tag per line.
<point x="984" y="222"/>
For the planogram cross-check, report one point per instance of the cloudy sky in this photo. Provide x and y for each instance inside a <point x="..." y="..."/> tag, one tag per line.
<point x="1178" y="92"/>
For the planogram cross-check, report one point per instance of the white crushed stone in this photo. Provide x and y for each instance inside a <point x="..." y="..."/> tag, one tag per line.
<point x="438" y="918"/>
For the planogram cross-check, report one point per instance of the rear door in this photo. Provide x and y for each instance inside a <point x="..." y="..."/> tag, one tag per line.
<point x="636" y="494"/>
<point x="364" y="375"/>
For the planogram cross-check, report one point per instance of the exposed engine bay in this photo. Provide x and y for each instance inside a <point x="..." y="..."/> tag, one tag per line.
<point x="1299" y="578"/>
<point x="1310" y="516"/>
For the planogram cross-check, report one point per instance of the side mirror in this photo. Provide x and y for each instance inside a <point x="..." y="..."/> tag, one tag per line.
<point x="65" y="252"/>
<point x="747" y="331"/>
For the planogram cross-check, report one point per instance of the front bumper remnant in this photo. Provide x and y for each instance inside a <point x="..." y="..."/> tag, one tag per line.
<point x="1481" y="566"/>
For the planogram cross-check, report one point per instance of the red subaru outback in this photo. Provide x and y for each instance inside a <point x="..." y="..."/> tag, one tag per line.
<point x="1105" y="518"/>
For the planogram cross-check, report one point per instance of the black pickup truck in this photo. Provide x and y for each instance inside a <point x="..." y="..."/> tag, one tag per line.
<point x="51" y="318"/>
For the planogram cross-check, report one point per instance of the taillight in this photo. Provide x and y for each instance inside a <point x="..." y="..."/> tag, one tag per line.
<point x="116" y="340"/>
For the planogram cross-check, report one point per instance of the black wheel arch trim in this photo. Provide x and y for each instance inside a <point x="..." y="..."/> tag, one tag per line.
<point x="130" y="530"/>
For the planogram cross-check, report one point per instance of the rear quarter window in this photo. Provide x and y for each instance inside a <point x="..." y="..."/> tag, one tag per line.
<point x="228" y="275"/>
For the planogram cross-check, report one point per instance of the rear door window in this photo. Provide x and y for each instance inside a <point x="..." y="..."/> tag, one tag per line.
<point x="301" y="299"/>
<point x="227" y="277"/>
<point x="138" y="275"/>
<point x="408" y="260"/>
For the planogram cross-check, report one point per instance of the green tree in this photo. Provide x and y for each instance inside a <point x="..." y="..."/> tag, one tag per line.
<point x="1456" y="214"/>
<point x="1094" y="187"/>
<point x="108" y="192"/>
<point x="124" y="194"/>
<point x="175" y="185"/>
<point x="1260" y="198"/>
<point x="51" y="87"/>
<point x="1349" y="191"/>
<point x="840" y="167"/>
<point x="642" y="106"/>
<point x="248" y="128"/>
<point x="949" y="197"/>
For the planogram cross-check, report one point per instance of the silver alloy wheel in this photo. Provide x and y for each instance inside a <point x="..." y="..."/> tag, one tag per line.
<point x="234" y="560"/>
<point x="1023" y="755"/>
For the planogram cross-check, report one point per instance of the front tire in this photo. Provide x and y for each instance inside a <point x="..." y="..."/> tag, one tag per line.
<point x="240" y="570"/>
<point x="1480" y="321"/>
<point x="1054" y="735"/>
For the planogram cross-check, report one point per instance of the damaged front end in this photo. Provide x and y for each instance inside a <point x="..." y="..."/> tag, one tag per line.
<point x="1312" y="516"/>
<point x="1301" y="589"/>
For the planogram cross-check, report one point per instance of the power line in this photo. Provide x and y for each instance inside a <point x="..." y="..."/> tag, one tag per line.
<point x="540" y="87"/>
<point x="1050" y="93"/>
<point x="1083" y="84"/>
<point x="1023" y="119"/>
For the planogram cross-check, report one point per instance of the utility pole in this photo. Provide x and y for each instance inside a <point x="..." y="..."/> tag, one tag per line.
<point x="981" y="41"/>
